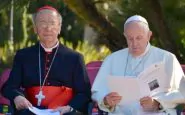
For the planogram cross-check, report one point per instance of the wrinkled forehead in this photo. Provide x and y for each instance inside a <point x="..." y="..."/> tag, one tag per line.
<point x="47" y="13"/>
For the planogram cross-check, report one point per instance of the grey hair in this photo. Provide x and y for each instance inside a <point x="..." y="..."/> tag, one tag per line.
<point x="146" y="27"/>
<point x="34" y="16"/>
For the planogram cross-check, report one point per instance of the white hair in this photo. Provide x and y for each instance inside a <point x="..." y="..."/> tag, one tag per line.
<point x="34" y="16"/>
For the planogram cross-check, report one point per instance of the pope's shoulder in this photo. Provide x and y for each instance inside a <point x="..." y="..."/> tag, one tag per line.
<point x="161" y="52"/>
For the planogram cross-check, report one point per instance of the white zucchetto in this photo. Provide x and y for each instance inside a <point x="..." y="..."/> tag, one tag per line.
<point x="136" y="18"/>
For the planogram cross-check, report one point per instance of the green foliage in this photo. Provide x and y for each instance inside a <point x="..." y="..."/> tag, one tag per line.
<point x="90" y="52"/>
<point x="6" y="54"/>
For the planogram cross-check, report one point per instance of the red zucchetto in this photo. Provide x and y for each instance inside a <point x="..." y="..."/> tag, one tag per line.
<point x="47" y="7"/>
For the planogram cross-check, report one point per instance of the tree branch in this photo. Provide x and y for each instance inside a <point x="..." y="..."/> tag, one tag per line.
<point x="87" y="11"/>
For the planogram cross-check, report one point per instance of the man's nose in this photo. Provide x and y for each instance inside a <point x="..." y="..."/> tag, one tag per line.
<point x="134" y="42"/>
<point x="48" y="27"/>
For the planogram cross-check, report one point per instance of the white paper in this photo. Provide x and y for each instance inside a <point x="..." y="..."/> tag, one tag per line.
<point x="37" y="111"/>
<point x="152" y="113"/>
<point x="149" y="82"/>
<point x="128" y="88"/>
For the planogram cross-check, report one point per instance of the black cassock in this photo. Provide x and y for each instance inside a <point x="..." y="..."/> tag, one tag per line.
<point x="68" y="69"/>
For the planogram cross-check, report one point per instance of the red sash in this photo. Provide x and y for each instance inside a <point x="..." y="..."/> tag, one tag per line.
<point x="54" y="96"/>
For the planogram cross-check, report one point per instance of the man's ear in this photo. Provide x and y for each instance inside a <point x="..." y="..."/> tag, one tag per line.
<point x="59" y="30"/>
<point x="150" y="34"/>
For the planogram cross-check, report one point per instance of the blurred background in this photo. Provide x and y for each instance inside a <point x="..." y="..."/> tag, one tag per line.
<point x="92" y="27"/>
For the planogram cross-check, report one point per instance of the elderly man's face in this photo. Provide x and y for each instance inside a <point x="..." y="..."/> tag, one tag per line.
<point x="137" y="37"/>
<point x="47" y="25"/>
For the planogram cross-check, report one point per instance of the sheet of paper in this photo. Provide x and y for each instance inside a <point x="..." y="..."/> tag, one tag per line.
<point x="37" y="111"/>
<point x="148" y="83"/>
<point x="128" y="88"/>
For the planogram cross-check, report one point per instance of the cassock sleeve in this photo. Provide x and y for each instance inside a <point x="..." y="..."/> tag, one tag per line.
<point x="11" y="88"/>
<point x="81" y="86"/>
<point x="99" y="89"/>
<point x="176" y="94"/>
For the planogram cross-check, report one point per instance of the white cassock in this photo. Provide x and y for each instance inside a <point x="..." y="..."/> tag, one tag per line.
<point x="121" y="63"/>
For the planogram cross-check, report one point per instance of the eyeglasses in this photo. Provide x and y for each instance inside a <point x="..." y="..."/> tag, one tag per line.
<point x="44" y="24"/>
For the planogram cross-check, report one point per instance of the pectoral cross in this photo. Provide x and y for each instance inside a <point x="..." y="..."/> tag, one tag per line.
<point x="39" y="97"/>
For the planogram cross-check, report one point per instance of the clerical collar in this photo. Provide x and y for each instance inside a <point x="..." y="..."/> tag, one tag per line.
<point x="146" y="50"/>
<point x="49" y="49"/>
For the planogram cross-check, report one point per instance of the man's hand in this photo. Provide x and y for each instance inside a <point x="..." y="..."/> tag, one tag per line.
<point x="112" y="99"/>
<point x="149" y="104"/>
<point x="63" y="109"/>
<point x="21" y="103"/>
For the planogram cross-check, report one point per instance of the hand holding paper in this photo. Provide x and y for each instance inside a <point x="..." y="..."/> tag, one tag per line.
<point x="112" y="99"/>
<point x="149" y="104"/>
<point x="147" y="83"/>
